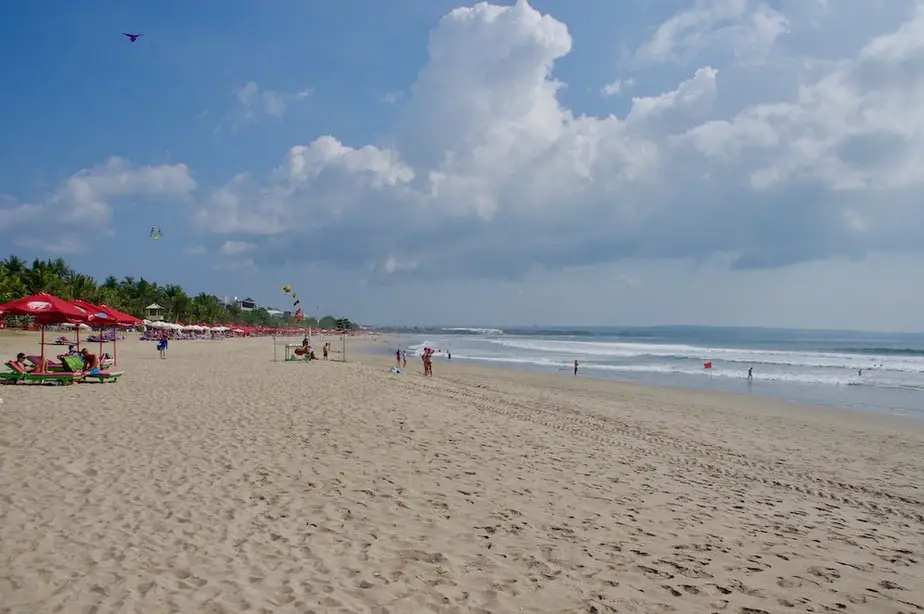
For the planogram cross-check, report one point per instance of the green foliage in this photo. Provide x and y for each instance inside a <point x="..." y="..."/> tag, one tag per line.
<point x="18" y="279"/>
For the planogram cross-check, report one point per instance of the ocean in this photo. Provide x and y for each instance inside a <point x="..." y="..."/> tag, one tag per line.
<point x="820" y="367"/>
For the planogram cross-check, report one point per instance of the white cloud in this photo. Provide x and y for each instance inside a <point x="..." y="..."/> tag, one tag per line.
<point x="616" y="87"/>
<point x="86" y="195"/>
<point x="746" y="28"/>
<point x="253" y="103"/>
<point x="230" y="248"/>
<point x="85" y="200"/>
<point x="487" y="173"/>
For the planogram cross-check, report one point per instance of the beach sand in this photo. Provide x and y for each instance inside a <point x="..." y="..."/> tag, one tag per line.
<point x="218" y="481"/>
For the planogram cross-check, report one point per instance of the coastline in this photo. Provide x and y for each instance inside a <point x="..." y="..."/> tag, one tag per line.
<point x="854" y="395"/>
<point x="469" y="372"/>
<point x="218" y="480"/>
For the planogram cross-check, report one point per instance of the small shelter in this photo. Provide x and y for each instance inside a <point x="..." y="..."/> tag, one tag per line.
<point x="154" y="312"/>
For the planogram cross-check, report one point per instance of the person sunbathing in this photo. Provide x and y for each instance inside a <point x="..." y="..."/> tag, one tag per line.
<point x="90" y="361"/>
<point x="30" y="367"/>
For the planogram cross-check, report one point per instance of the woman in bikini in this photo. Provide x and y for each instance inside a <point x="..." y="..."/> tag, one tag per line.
<point x="30" y="367"/>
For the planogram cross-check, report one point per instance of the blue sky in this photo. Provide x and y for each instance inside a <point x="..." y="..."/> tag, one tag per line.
<point x="725" y="162"/>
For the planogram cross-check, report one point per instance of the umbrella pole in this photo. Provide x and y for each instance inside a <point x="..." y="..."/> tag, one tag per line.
<point x="115" y="349"/>
<point x="43" y="343"/>
<point x="77" y="330"/>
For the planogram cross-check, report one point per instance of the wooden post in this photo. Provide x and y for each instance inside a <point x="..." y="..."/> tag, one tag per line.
<point x="343" y="348"/>
<point x="274" y="348"/>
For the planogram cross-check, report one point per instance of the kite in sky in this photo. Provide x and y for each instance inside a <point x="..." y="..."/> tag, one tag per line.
<point x="132" y="37"/>
<point x="156" y="233"/>
<point x="298" y="315"/>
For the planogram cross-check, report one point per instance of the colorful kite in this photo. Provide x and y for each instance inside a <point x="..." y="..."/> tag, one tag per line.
<point x="299" y="316"/>
<point x="156" y="234"/>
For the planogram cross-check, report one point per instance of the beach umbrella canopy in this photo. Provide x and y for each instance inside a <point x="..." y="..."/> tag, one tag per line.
<point x="121" y="317"/>
<point x="46" y="309"/>
<point x="98" y="316"/>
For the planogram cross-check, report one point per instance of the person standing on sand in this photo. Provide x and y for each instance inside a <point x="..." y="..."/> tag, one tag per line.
<point x="403" y="359"/>
<point x="576" y="363"/>
<point x="427" y="358"/>
<point x="398" y="359"/>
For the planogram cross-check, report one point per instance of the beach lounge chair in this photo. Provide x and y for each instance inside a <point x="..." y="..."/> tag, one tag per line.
<point x="53" y="367"/>
<point x="63" y="341"/>
<point x="17" y="374"/>
<point x="74" y="365"/>
<point x="56" y="367"/>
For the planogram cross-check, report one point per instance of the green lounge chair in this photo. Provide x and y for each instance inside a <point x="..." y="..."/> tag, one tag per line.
<point x="17" y="374"/>
<point x="60" y="367"/>
<point x="74" y="364"/>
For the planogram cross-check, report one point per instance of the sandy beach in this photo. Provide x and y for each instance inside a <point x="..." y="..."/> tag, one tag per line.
<point x="220" y="481"/>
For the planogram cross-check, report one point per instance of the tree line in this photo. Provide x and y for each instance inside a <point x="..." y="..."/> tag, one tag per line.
<point x="18" y="279"/>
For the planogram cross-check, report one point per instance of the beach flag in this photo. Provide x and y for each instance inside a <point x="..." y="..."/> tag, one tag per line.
<point x="707" y="365"/>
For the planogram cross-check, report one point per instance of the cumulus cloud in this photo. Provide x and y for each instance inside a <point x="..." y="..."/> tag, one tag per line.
<point x="487" y="173"/>
<point x="745" y="28"/>
<point x="87" y="199"/>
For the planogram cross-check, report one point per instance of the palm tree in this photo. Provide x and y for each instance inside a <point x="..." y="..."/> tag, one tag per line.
<point x="17" y="279"/>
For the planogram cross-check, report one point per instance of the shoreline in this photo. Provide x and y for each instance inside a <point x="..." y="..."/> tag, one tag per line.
<point x="765" y="404"/>
<point x="849" y="398"/>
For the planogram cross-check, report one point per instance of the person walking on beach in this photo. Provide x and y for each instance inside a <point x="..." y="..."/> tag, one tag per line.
<point x="576" y="364"/>
<point x="403" y="359"/>
<point x="398" y="359"/>
<point x="750" y="374"/>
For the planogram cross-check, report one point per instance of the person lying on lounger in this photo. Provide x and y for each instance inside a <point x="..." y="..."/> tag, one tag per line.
<point x="90" y="361"/>
<point x="28" y="366"/>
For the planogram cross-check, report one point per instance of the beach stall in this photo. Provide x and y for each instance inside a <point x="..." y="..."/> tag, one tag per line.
<point x="154" y="313"/>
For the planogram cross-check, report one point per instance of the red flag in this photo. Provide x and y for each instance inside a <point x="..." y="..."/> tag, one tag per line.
<point x="707" y="365"/>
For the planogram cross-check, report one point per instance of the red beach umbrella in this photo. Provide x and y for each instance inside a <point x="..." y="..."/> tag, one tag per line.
<point x="123" y="318"/>
<point x="46" y="309"/>
<point x="101" y="318"/>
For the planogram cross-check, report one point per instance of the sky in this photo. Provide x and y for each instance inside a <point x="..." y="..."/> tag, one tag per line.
<point x="724" y="162"/>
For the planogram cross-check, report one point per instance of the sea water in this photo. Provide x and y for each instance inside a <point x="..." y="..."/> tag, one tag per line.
<point x="801" y="366"/>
